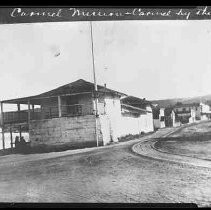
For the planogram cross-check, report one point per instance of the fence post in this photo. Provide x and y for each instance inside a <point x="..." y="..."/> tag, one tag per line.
<point x="18" y="106"/>
<point x="11" y="138"/>
<point x="59" y="106"/>
<point x="29" y="113"/>
<point x="2" y="128"/>
<point x="20" y="131"/>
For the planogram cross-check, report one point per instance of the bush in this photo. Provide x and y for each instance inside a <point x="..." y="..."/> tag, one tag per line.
<point x="130" y="137"/>
<point x="62" y="147"/>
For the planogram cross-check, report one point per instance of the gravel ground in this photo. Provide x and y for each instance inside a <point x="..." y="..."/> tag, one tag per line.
<point x="198" y="128"/>
<point x="192" y="141"/>
<point x="110" y="174"/>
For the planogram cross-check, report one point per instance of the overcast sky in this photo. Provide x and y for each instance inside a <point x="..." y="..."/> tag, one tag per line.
<point x="147" y="59"/>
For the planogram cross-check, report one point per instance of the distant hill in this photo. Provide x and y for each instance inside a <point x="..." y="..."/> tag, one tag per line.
<point x="168" y="102"/>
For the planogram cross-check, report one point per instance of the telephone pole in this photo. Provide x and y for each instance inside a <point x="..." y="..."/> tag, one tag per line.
<point x="95" y="85"/>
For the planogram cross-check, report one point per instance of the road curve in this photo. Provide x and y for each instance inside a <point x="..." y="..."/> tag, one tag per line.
<point x="146" y="148"/>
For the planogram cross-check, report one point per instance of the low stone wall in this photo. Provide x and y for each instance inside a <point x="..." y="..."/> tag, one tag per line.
<point x="64" y="131"/>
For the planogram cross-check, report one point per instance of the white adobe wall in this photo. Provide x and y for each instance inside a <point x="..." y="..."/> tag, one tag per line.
<point x="147" y="121"/>
<point x="162" y="123"/>
<point x="205" y="108"/>
<point x="115" y="125"/>
<point x="113" y="112"/>
<point x="161" y="112"/>
<point x="193" y="115"/>
<point x="173" y="117"/>
<point x="174" y="123"/>
<point x="129" y="125"/>
<point x="156" y="123"/>
<point x="104" y="123"/>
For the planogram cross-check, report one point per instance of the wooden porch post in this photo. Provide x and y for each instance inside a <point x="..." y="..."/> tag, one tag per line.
<point x="18" y="105"/>
<point x="19" y="108"/>
<point x="20" y="133"/>
<point x="29" y="113"/>
<point x="2" y="122"/>
<point x="11" y="138"/>
<point x="59" y="106"/>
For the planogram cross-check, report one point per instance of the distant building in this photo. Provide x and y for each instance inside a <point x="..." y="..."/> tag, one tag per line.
<point x="187" y="113"/>
<point x="205" y="111"/>
<point x="142" y="121"/>
<point x="158" y="117"/>
<point x="171" y="119"/>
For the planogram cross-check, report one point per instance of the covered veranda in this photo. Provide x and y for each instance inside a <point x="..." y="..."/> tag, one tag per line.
<point x="40" y="108"/>
<point x="70" y="100"/>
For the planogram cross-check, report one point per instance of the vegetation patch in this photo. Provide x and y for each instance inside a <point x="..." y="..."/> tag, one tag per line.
<point x="132" y="137"/>
<point x="43" y="148"/>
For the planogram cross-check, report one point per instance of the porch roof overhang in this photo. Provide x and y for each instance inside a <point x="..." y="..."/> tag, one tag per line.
<point x="137" y="110"/>
<point x="36" y="100"/>
<point x="136" y="102"/>
<point x="78" y="87"/>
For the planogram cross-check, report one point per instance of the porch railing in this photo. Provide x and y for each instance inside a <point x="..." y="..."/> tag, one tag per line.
<point x="48" y="113"/>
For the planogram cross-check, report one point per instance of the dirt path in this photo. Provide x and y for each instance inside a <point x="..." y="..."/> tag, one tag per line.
<point x="108" y="174"/>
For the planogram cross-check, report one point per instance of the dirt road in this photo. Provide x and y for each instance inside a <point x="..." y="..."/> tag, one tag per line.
<point x="108" y="174"/>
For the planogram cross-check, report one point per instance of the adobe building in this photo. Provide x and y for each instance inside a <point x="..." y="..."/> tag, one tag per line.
<point x="171" y="118"/>
<point x="205" y="111"/>
<point x="136" y="116"/>
<point x="187" y="113"/>
<point x="75" y="114"/>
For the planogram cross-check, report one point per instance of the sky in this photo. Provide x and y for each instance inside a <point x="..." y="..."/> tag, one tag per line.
<point x="147" y="59"/>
